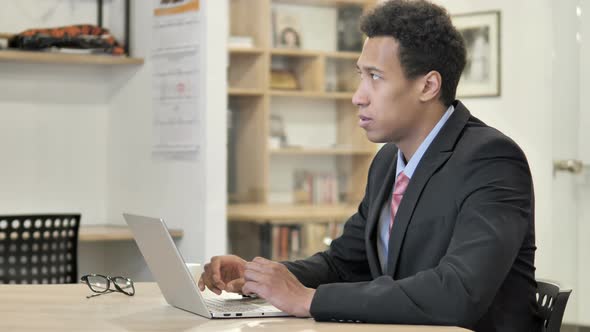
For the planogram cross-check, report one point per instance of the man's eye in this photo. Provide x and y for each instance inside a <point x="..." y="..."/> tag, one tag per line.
<point x="375" y="77"/>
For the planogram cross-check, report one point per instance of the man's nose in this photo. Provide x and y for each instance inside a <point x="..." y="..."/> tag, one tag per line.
<point x="359" y="98"/>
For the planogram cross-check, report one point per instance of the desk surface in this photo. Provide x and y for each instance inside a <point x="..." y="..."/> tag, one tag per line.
<point x="65" y="308"/>
<point x="101" y="233"/>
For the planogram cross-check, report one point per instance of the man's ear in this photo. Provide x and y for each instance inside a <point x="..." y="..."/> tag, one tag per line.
<point x="431" y="86"/>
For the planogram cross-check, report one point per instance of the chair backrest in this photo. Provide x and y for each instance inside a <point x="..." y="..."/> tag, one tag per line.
<point x="552" y="301"/>
<point x="39" y="249"/>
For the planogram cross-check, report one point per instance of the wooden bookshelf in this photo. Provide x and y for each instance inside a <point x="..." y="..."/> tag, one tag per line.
<point x="66" y="59"/>
<point x="253" y="165"/>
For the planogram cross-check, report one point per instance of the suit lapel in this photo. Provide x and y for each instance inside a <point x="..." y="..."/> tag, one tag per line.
<point x="436" y="155"/>
<point x="373" y="219"/>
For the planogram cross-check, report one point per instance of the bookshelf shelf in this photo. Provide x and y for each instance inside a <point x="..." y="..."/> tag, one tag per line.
<point x="322" y="151"/>
<point x="66" y="59"/>
<point x="246" y="50"/>
<point x="311" y="94"/>
<point x="239" y="92"/>
<point x="311" y="53"/>
<point x="342" y="55"/>
<point x="295" y="53"/>
<point x="288" y="214"/>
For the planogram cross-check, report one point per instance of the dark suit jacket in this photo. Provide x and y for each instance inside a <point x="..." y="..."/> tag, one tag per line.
<point x="462" y="245"/>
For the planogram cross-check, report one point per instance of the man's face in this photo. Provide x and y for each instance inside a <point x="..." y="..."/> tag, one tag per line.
<point x="388" y="103"/>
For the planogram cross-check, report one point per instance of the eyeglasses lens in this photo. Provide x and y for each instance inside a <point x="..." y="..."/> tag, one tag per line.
<point x="125" y="285"/>
<point x="98" y="284"/>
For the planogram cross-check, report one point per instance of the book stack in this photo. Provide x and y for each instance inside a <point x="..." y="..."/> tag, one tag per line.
<point x="280" y="242"/>
<point x="315" y="188"/>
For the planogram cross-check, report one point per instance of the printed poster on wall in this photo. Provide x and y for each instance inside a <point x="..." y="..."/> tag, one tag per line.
<point x="176" y="78"/>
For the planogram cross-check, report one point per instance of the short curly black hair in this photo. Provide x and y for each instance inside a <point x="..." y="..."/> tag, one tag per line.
<point x="427" y="40"/>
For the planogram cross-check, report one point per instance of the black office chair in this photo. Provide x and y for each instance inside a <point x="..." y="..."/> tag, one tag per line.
<point x="552" y="301"/>
<point x="39" y="249"/>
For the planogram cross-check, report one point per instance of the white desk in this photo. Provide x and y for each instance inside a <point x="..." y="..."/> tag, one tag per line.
<point x="65" y="308"/>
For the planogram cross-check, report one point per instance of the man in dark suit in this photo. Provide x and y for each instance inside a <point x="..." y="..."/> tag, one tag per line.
<point x="445" y="232"/>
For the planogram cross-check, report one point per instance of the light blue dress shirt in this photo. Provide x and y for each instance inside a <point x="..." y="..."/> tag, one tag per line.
<point x="408" y="169"/>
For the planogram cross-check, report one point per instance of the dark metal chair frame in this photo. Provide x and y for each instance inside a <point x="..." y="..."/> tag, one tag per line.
<point x="552" y="300"/>
<point x="39" y="248"/>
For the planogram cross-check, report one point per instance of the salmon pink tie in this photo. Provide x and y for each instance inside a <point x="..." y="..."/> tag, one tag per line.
<point x="401" y="184"/>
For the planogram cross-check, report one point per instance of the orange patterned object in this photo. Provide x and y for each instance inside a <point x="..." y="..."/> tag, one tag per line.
<point x="83" y="36"/>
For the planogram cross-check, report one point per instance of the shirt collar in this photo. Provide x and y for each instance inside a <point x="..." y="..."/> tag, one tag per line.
<point x="410" y="167"/>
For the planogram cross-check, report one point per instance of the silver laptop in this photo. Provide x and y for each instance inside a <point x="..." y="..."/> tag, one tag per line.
<point x="176" y="282"/>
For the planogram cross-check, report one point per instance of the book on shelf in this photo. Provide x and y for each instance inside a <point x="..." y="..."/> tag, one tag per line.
<point x="315" y="188"/>
<point x="286" y="28"/>
<point x="282" y="242"/>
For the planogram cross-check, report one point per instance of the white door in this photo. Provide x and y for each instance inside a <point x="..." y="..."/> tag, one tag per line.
<point x="571" y="154"/>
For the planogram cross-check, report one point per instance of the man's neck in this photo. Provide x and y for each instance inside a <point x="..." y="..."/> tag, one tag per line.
<point x="416" y="136"/>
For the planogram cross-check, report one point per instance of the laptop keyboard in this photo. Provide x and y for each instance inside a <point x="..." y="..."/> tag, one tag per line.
<point x="220" y="305"/>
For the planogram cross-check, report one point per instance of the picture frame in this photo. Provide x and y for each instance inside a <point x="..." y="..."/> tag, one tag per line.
<point x="286" y="29"/>
<point x="350" y="38"/>
<point x="482" y="74"/>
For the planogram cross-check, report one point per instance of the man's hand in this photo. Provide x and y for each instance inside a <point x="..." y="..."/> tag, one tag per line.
<point x="223" y="273"/>
<point x="273" y="282"/>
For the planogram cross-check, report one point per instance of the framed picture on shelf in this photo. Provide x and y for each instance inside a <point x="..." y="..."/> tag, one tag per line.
<point x="481" y="32"/>
<point x="350" y="38"/>
<point x="286" y="29"/>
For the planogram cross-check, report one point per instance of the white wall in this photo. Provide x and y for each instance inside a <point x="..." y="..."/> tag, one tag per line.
<point x="26" y="14"/>
<point x="53" y="158"/>
<point x="214" y="238"/>
<point x="53" y="120"/>
<point x="78" y="138"/>
<point x="188" y="194"/>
